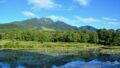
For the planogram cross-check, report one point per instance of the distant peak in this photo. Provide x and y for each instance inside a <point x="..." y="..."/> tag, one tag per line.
<point x="46" y="19"/>
<point x="33" y="19"/>
<point x="91" y="28"/>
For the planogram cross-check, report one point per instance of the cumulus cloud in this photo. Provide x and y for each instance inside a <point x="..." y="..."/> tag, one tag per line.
<point x="45" y="4"/>
<point x="83" y="2"/>
<point x="86" y="20"/>
<point x="64" y="19"/>
<point x="29" y="14"/>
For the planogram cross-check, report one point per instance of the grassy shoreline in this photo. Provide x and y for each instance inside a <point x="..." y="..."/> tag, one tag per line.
<point x="58" y="46"/>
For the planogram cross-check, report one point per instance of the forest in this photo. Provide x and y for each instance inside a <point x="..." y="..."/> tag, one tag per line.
<point x="101" y="36"/>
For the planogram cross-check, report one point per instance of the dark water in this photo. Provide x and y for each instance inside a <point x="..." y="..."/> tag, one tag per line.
<point x="36" y="59"/>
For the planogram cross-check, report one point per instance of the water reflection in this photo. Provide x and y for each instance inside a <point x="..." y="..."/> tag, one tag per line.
<point x="75" y="64"/>
<point x="91" y="64"/>
<point x="37" y="59"/>
<point x="6" y="65"/>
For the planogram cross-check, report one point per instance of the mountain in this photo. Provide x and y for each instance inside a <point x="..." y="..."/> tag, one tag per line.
<point x="43" y="24"/>
<point x="90" y="28"/>
<point x="118" y="29"/>
<point x="9" y="26"/>
<point x="35" y="23"/>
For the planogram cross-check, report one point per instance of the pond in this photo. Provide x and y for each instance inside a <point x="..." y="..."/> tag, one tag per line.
<point x="39" y="59"/>
<point x="90" y="64"/>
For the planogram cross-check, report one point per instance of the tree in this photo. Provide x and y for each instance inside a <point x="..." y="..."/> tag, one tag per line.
<point x="93" y="37"/>
<point x="105" y="36"/>
<point x="72" y="36"/>
<point x="84" y="36"/>
<point x="44" y="37"/>
<point x="116" y="39"/>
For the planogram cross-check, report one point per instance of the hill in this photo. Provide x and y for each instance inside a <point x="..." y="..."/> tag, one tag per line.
<point x="43" y="24"/>
<point x="35" y="23"/>
<point x="90" y="28"/>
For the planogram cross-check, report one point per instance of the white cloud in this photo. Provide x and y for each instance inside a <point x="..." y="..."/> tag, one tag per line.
<point x="77" y="20"/>
<point x="45" y="4"/>
<point x="56" y="18"/>
<point x="64" y="19"/>
<point x="29" y="14"/>
<point x="109" y="19"/>
<point x="104" y="20"/>
<point x="83" y="2"/>
<point x="86" y="20"/>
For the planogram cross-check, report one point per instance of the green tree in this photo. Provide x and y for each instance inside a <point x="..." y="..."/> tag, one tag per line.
<point x="116" y="39"/>
<point x="93" y="37"/>
<point x="84" y="36"/>
<point x="72" y="36"/>
<point x="105" y="36"/>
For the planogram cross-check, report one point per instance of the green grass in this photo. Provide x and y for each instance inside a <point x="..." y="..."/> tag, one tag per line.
<point x="34" y="44"/>
<point x="58" y="47"/>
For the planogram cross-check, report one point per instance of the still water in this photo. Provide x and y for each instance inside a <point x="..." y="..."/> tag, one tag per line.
<point x="76" y="64"/>
<point x="90" y="64"/>
<point x="37" y="59"/>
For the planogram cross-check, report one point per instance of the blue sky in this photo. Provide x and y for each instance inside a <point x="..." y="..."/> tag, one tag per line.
<point x="97" y="13"/>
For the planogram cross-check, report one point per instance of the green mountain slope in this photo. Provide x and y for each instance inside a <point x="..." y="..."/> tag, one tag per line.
<point x="43" y="24"/>
<point x="35" y="23"/>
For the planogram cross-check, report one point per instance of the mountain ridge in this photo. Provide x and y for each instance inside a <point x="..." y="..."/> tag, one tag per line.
<point x="43" y="23"/>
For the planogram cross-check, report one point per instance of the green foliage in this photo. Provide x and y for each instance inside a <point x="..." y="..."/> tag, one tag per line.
<point x="102" y="36"/>
<point x="116" y="39"/>
<point x="105" y="36"/>
<point x="93" y="37"/>
<point x="84" y="37"/>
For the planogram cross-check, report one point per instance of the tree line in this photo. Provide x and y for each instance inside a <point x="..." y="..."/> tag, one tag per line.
<point x="102" y="36"/>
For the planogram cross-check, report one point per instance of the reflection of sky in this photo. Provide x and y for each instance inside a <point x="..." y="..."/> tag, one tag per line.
<point x="91" y="64"/>
<point x="5" y="65"/>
